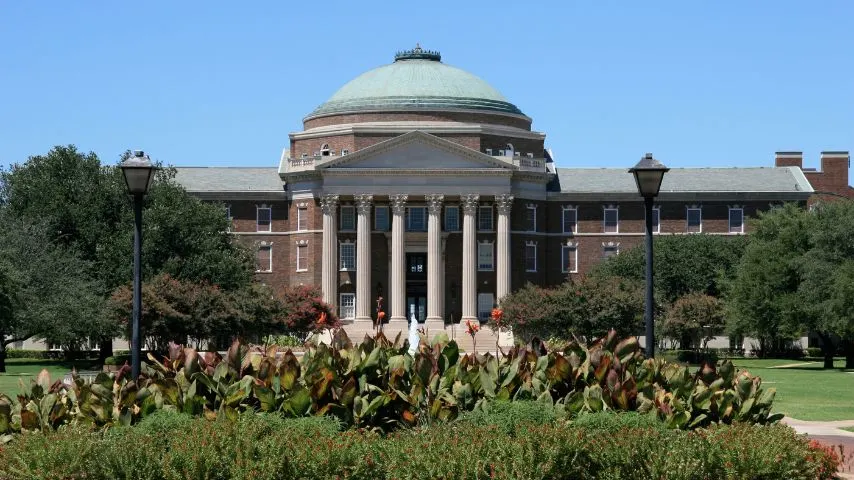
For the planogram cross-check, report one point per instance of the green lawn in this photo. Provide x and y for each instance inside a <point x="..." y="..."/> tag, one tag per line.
<point x="27" y="369"/>
<point x="806" y="392"/>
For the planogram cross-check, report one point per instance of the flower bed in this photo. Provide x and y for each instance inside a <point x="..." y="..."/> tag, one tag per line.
<point x="260" y="447"/>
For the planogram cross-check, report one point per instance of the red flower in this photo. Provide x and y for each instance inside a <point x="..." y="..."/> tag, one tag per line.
<point x="380" y="316"/>
<point x="496" y="315"/>
<point x="472" y="328"/>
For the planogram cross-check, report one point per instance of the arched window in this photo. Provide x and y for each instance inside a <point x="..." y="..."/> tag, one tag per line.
<point x="324" y="150"/>
<point x="509" y="150"/>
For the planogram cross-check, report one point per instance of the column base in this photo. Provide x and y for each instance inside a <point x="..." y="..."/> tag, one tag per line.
<point x="398" y="319"/>
<point x="363" y="320"/>
<point x="472" y="319"/>
<point x="434" y="325"/>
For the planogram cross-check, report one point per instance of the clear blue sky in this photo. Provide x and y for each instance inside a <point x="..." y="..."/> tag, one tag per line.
<point x="223" y="83"/>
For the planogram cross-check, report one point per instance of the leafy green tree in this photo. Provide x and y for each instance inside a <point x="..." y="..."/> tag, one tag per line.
<point x="85" y="208"/>
<point x="693" y="319"/>
<point x="762" y="297"/>
<point x="45" y="290"/>
<point x="683" y="264"/>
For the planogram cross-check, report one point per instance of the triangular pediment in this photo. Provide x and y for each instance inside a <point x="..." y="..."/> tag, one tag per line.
<point x="417" y="150"/>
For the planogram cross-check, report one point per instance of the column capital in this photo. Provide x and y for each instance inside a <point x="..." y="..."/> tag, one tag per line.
<point x="504" y="203"/>
<point x="469" y="203"/>
<point x="398" y="202"/>
<point x="434" y="203"/>
<point x="329" y="203"/>
<point x="363" y="203"/>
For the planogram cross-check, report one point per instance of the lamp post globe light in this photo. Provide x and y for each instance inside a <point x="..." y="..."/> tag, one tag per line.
<point x="139" y="173"/>
<point x="648" y="174"/>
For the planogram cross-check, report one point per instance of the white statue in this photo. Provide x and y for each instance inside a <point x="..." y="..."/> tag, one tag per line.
<point x="414" y="339"/>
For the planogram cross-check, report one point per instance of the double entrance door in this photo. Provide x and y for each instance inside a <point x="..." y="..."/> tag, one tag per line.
<point x="416" y="286"/>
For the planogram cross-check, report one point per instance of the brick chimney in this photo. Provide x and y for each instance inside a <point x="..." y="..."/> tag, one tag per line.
<point x="789" y="159"/>
<point x="835" y="166"/>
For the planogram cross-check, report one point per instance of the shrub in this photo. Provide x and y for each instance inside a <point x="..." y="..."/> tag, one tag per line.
<point x="36" y="354"/>
<point x="259" y="447"/>
<point x="507" y="416"/>
<point x="616" y="421"/>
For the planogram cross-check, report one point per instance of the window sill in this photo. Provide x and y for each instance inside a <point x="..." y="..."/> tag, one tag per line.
<point x="530" y="271"/>
<point x="347" y="270"/>
<point x="302" y="270"/>
<point x="263" y="271"/>
<point x="485" y="269"/>
<point x="263" y="231"/>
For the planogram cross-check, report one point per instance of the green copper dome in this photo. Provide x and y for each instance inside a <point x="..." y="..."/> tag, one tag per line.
<point x="417" y="80"/>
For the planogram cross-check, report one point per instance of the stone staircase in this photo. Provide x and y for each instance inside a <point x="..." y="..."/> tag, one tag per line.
<point x="485" y="338"/>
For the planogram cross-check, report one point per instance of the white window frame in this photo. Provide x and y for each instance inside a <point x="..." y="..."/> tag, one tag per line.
<point x="269" y="248"/>
<point x="729" y="223"/>
<point x="456" y="226"/>
<point x="605" y="219"/>
<point x="574" y="227"/>
<point x="347" y="309"/>
<point x="484" y="267"/>
<point x="352" y="213"/>
<point x="302" y="219"/>
<point x="302" y="257"/>
<point x="377" y="226"/>
<point x="345" y="151"/>
<point x="325" y="150"/>
<point x="481" y="215"/>
<point x="486" y="300"/>
<point x="341" y="263"/>
<point x="656" y="226"/>
<point x="489" y="151"/>
<point x="688" y="219"/>
<point x="528" y="257"/>
<point x="606" y="247"/>
<point x="531" y="209"/>
<point x="409" y="211"/>
<point x="258" y="226"/>
<point x="566" y="250"/>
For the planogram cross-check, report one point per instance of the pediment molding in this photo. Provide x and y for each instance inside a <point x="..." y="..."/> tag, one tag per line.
<point x="418" y="137"/>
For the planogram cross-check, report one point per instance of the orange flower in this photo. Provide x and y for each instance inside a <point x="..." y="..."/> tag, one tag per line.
<point x="472" y="328"/>
<point x="496" y="315"/>
<point x="380" y="316"/>
<point x="322" y="319"/>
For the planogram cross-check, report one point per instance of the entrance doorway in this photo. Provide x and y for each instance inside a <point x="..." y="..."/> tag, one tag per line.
<point x="416" y="286"/>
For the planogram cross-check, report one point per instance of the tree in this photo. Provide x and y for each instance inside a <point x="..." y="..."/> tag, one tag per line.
<point x="693" y="319"/>
<point x="85" y="207"/>
<point x="762" y="297"/>
<point x="587" y="308"/>
<point x="45" y="290"/>
<point x="305" y="311"/>
<point x="683" y="264"/>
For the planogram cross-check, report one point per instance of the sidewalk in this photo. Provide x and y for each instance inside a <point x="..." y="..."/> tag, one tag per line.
<point x="829" y="433"/>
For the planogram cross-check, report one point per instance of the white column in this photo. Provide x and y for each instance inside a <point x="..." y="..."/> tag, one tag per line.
<point x="329" y="263"/>
<point x="363" y="257"/>
<point x="502" y="280"/>
<point x="397" y="289"/>
<point x="434" y="258"/>
<point x="469" y="290"/>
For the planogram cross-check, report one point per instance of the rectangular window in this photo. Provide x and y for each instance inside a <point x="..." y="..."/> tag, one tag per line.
<point x="489" y="151"/>
<point x="348" y="256"/>
<point x="302" y="219"/>
<point x="570" y="220"/>
<point x="302" y="258"/>
<point x="452" y="219"/>
<point x="609" y="251"/>
<point x="611" y="220"/>
<point x="531" y="257"/>
<point x="736" y="220"/>
<point x="264" y="258"/>
<point x="347" y="305"/>
<point x="531" y="218"/>
<point x="485" y="303"/>
<point x="416" y="219"/>
<point x="485" y="257"/>
<point x="381" y="219"/>
<point x="656" y="220"/>
<point x="263" y="215"/>
<point x="694" y="220"/>
<point x="569" y="259"/>
<point x="484" y="218"/>
<point x="348" y="217"/>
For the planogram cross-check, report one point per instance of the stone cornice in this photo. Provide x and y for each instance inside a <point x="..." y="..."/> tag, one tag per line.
<point x="417" y="111"/>
<point x="404" y="127"/>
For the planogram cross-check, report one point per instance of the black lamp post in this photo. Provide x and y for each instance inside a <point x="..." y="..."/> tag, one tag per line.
<point x="648" y="175"/>
<point x="138" y="172"/>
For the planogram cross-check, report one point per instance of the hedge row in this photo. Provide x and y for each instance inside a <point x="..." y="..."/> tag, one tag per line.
<point x="258" y="447"/>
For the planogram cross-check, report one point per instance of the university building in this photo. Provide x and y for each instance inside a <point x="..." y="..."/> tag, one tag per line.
<point x="419" y="182"/>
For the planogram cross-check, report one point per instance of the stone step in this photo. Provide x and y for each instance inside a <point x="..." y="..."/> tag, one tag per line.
<point x="486" y="337"/>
